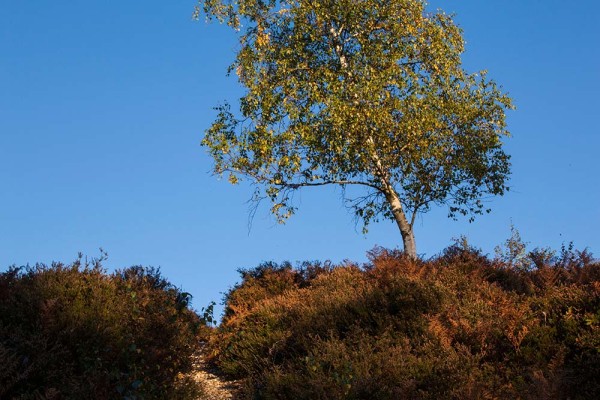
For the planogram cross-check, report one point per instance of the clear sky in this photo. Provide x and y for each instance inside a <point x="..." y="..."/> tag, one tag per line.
<point x="103" y="105"/>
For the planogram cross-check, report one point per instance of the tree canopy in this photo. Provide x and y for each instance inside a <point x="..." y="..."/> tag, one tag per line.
<point x="363" y="93"/>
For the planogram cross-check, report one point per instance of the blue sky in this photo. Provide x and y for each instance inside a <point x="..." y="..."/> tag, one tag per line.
<point x="103" y="105"/>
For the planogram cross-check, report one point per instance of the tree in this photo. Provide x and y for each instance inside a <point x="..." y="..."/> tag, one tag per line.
<point x="359" y="93"/>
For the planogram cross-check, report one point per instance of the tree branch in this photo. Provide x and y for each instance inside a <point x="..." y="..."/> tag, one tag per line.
<point x="333" y="182"/>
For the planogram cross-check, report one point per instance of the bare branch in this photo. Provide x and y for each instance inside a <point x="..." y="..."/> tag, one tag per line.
<point x="332" y="182"/>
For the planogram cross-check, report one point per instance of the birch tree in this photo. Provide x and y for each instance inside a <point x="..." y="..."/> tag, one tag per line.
<point x="367" y="94"/>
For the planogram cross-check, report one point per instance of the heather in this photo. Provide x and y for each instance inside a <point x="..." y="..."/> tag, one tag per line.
<point x="462" y="325"/>
<point x="74" y="331"/>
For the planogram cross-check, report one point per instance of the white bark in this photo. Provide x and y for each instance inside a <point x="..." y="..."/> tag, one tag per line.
<point x="406" y="229"/>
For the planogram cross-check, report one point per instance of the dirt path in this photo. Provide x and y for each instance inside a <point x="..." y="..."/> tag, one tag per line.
<point x="214" y="387"/>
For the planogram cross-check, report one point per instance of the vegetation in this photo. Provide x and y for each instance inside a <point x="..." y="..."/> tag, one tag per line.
<point x="523" y="325"/>
<point x="368" y="95"/>
<point x="75" y="332"/>
<point x="460" y="326"/>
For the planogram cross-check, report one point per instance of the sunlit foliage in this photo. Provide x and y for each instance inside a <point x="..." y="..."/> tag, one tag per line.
<point x="364" y="94"/>
<point x="459" y="326"/>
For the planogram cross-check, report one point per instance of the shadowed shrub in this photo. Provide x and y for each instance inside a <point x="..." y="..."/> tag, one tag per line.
<point x="74" y="332"/>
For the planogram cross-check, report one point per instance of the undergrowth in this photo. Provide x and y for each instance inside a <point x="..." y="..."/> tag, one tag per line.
<point x="76" y="332"/>
<point x="458" y="326"/>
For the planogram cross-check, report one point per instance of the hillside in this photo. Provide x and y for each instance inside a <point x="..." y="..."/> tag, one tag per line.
<point x="523" y="325"/>
<point x="458" y="326"/>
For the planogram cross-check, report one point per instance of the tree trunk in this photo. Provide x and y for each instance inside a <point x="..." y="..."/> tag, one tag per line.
<point x="410" y="247"/>
<point x="406" y="229"/>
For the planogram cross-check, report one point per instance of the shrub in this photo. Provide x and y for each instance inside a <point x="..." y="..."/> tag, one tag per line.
<point x="457" y="326"/>
<point x="75" y="331"/>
